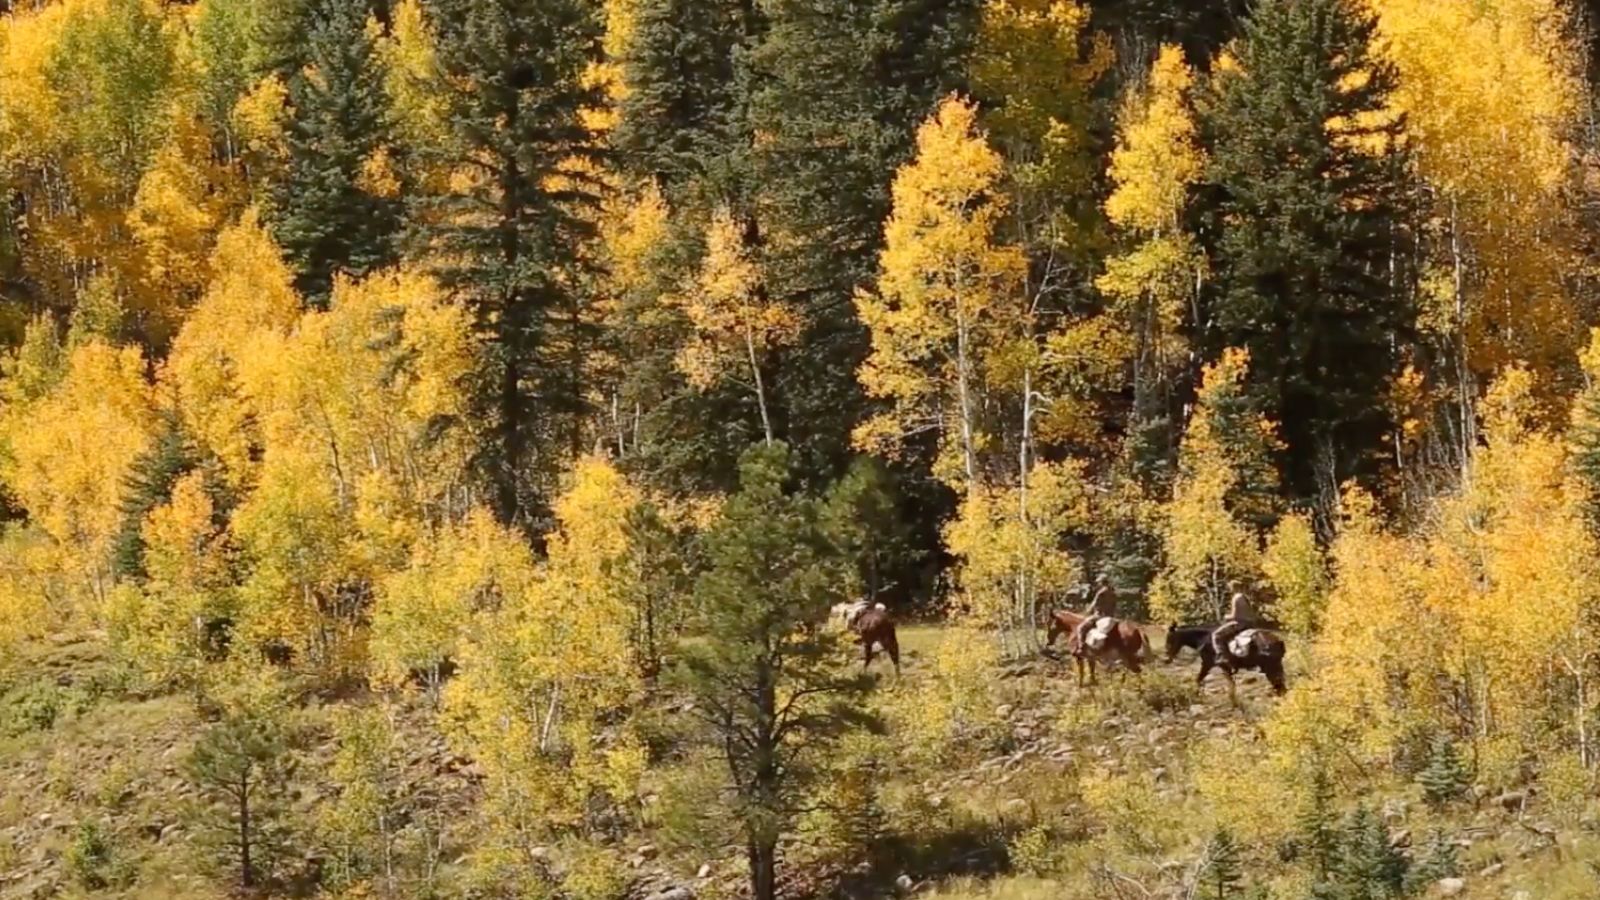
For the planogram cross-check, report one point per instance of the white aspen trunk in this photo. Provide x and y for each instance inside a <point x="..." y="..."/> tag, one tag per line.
<point x="963" y="387"/>
<point x="761" y="390"/>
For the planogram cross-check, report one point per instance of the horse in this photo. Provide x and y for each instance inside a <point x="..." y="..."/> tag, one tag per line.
<point x="1264" y="654"/>
<point x="1124" y="644"/>
<point x="876" y="627"/>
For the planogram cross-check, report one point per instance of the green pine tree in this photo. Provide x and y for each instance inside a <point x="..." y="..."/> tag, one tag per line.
<point x="512" y="242"/>
<point x="1308" y="233"/>
<point x="241" y="768"/>
<point x="1222" y="878"/>
<point x="1372" y="867"/>
<point x="768" y="684"/>
<point x="147" y="485"/>
<point x="1445" y="778"/>
<point x="1438" y="860"/>
<point x="685" y="121"/>
<point x="1317" y="833"/>
<point x="325" y="220"/>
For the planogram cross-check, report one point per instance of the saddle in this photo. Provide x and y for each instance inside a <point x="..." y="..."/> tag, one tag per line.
<point x="1096" y="638"/>
<point x="1240" y="644"/>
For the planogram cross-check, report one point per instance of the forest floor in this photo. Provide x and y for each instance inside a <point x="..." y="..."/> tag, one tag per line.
<point x="75" y="747"/>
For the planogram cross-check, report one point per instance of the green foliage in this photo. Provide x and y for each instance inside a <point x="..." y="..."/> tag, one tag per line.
<point x="241" y="766"/>
<point x="1445" y="778"/>
<point x="148" y="485"/>
<point x="39" y="704"/>
<point x="93" y="862"/>
<point x="1372" y="868"/>
<point x="520" y="269"/>
<point x="333" y="212"/>
<point x="765" y="678"/>
<point x="1309" y="165"/>
<point x="1439" y="859"/>
<point x="1221" y="877"/>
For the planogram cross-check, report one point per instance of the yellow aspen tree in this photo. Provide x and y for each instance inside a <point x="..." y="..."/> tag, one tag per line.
<point x="250" y="295"/>
<point x="1224" y="495"/>
<point x="354" y="464"/>
<point x="1517" y="535"/>
<point x="184" y="200"/>
<point x="424" y="612"/>
<point x="69" y="451"/>
<point x="1035" y="72"/>
<point x="1294" y="565"/>
<point x="1492" y="94"/>
<point x="735" y="324"/>
<point x="155" y="625"/>
<point x="1158" y="157"/>
<point x="948" y="298"/>
<point x="539" y="671"/>
<point x="1378" y="594"/>
<point x="1009" y="550"/>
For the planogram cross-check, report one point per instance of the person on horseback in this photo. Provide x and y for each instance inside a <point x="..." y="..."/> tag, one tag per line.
<point x="1241" y="615"/>
<point x="1103" y="605"/>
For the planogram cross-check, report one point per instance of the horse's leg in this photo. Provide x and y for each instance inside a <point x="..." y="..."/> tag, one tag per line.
<point x="1205" y="669"/>
<point x="891" y="646"/>
<point x="866" y="651"/>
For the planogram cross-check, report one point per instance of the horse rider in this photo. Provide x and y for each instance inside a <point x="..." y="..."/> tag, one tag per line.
<point x="1241" y="615"/>
<point x="1103" y="605"/>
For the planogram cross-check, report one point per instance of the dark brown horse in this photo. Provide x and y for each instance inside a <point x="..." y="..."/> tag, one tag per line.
<point x="875" y="627"/>
<point x="1124" y="644"/>
<point x="1264" y="654"/>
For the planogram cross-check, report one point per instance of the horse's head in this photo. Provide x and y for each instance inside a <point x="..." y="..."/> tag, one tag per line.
<point x="1054" y="628"/>
<point x="1174" y="643"/>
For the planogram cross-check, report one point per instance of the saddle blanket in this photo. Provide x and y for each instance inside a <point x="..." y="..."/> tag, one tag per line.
<point x="1102" y="630"/>
<point x="1240" y="644"/>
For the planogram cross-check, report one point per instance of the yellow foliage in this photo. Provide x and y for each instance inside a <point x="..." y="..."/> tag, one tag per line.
<point x="539" y="670"/>
<point x="1492" y="92"/>
<point x="1032" y="61"/>
<point x="733" y="320"/>
<point x="1294" y="565"/>
<point x="352" y="466"/>
<point x="249" y="298"/>
<point x="1225" y="483"/>
<point x="71" y="449"/>
<point x="155" y="627"/>
<point x="953" y="708"/>
<point x="1006" y="540"/>
<point x="948" y="296"/>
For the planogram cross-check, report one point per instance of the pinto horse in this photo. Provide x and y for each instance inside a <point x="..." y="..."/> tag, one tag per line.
<point x="1124" y="644"/>
<point x="1264" y="655"/>
<point x="875" y="627"/>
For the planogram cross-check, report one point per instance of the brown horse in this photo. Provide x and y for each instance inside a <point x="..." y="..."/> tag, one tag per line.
<point x="875" y="627"/>
<point x="1124" y="644"/>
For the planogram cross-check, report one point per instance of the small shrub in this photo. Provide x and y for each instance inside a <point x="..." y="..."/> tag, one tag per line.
<point x="39" y="706"/>
<point x="1160" y="692"/>
<point x="91" y="860"/>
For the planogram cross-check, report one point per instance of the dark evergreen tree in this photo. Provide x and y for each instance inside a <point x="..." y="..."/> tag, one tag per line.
<point x="1439" y="859"/>
<point x="241" y="768"/>
<point x="149" y="484"/>
<point x="842" y="86"/>
<point x="324" y="218"/>
<point x="1317" y="834"/>
<point x="1445" y="778"/>
<point x="1372" y="867"/>
<point x="1310" y="200"/>
<point x="511" y="243"/>
<point x="765" y="679"/>
<point x="685" y="121"/>
<point x="1222" y="878"/>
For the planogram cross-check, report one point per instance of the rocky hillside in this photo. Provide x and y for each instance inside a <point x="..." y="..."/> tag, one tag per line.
<point x="94" y="799"/>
